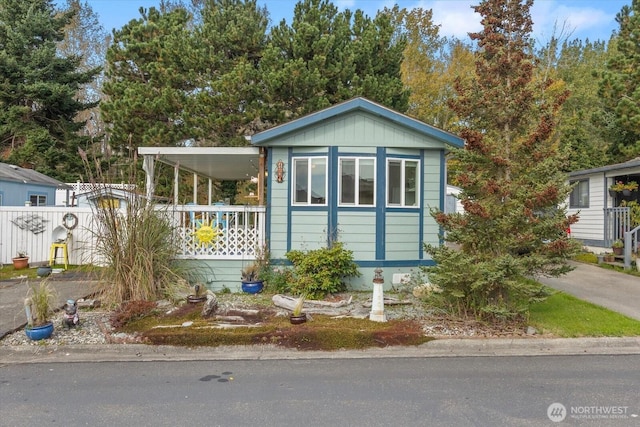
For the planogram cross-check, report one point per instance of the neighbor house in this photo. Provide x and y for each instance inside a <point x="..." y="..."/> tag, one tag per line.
<point x="605" y="213"/>
<point x="356" y="172"/>
<point x="21" y="186"/>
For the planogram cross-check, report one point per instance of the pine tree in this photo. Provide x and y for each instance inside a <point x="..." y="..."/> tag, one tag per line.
<point x="38" y="91"/>
<point x="228" y="46"/>
<point x="325" y="57"/>
<point x="510" y="173"/>
<point x="147" y="83"/>
<point x="582" y="139"/>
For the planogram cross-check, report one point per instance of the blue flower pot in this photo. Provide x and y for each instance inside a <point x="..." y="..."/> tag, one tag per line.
<point x="39" y="332"/>
<point x="252" y="287"/>
<point x="44" y="271"/>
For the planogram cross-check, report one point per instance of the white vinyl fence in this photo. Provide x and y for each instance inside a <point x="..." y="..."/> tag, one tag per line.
<point x="237" y="232"/>
<point x="34" y="229"/>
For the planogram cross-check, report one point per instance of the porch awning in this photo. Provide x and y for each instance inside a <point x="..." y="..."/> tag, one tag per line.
<point x="216" y="163"/>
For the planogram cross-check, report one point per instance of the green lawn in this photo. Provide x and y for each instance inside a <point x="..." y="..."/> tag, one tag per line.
<point x="566" y="316"/>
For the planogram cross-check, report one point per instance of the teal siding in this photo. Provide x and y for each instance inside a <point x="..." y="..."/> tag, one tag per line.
<point x="402" y="240"/>
<point x="357" y="231"/>
<point x="218" y="274"/>
<point x="357" y="129"/>
<point x="308" y="229"/>
<point x="277" y="204"/>
<point x="433" y="190"/>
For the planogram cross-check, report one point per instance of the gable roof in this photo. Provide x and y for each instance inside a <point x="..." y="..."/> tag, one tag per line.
<point x="357" y="104"/>
<point x="618" y="167"/>
<point x="15" y="173"/>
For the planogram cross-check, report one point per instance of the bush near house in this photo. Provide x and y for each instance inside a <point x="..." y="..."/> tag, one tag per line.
<point x="319" y="272"/>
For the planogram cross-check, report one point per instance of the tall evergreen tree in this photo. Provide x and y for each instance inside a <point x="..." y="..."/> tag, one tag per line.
<point x="147" y="84"/>
<point x="510" y="175"/>
<point x="225" y="64"/>
<point x="581" y="140"/>
<point x="620" y="85"/>
<point x="38" y="90"/>
<point x="325" y="57"/>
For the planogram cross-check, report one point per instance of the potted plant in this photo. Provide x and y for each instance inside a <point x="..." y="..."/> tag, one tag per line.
<point x="297" y="316"/>
<point x="199" y="294"/>
<point x="617" y="247"/>
<point x="38" y="307"/>
<point x="608" y="257"/>
<point x="250" y="278"/>
<point x="625" y="188"/>
<point x="21" y="261"/>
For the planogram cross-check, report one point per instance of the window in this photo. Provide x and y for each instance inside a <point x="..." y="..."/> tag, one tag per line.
<point x="38" y="199"/>
<point x="357" y="181"/>
<point x="310" y="181"/>
<point x="402" y="182"/>
<point x="108" y="203"/>
<point x="579" y="197"/>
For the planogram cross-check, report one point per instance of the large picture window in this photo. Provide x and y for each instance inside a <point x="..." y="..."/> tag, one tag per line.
<point x="310" y="180"/>
<point x="357" y="181"/>
<point x="579" y="197"/>
<point x="402" y="182"/>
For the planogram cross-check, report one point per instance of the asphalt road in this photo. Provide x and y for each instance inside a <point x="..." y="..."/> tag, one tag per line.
<point x="496" y="391"/>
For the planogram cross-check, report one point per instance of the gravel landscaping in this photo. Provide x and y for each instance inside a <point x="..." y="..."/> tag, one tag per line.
<point x="95" y="327"/>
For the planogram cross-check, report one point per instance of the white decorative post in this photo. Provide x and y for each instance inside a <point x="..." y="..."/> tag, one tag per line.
<point x="377" y="306"/>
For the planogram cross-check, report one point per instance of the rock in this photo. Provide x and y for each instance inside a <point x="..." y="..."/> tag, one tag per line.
<point x="531" y="330"/>
<point x="210" y="305"/>
<point x="88" y="303"/>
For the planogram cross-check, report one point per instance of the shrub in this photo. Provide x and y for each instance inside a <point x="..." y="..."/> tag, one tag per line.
<point x="129" y="311"/>
<point x="278" y="279"/>
<point x="319" y="272"/>
<point x="492" y="289"/>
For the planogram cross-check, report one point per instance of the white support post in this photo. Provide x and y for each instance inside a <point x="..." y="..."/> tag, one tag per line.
<point x="176" y="184"/>
<point x="147" y="166"/>
<point x="195" y="188"/>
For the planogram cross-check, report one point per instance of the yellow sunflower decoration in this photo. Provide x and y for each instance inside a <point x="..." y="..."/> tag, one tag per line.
<point x="206" y="234"/>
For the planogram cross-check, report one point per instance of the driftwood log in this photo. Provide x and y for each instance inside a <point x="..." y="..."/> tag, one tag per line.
<point x="340" y="308"/>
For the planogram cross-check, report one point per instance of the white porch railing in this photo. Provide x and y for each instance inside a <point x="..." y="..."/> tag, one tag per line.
<point x="240" y="230"/>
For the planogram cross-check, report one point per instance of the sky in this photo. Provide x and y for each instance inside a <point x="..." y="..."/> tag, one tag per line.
<point x="577" y="19"/>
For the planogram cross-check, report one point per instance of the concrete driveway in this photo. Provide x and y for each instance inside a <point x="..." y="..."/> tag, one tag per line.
<point x="13" y="293"/>
<point x="616" y="291"/>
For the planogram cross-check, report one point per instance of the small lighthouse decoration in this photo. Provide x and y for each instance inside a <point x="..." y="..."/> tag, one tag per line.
<point x="377" y="306"/>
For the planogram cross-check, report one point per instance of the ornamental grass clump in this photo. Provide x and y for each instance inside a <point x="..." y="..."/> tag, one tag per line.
<point x="138" y="246"/>
<point x="41" y="299"/>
